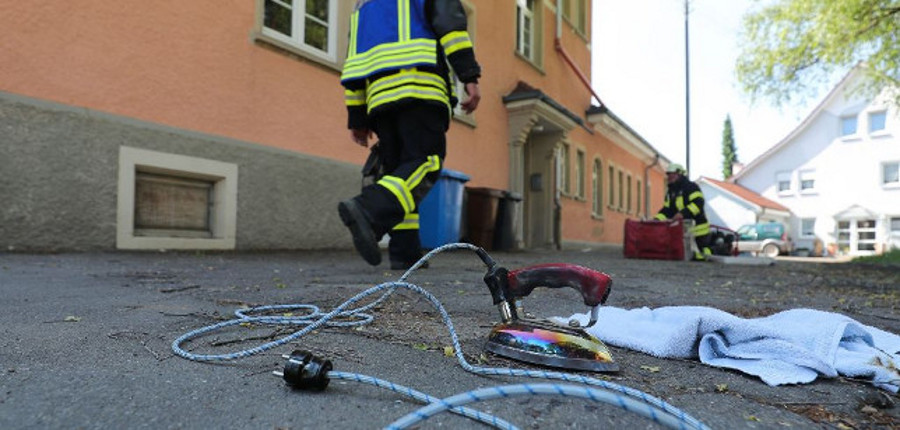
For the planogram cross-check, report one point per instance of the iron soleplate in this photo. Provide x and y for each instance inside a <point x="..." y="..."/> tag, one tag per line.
<point x="545" y="343"/>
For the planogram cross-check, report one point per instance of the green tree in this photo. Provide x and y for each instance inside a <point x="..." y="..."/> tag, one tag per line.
<point x="729" y="152"/>
<point x="792" y="47"/>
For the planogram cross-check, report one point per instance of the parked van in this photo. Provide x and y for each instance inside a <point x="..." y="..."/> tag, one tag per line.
<point x="769" y="239"/>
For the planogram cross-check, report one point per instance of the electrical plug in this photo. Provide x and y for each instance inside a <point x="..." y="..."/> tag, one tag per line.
<point x="305" y="371"/>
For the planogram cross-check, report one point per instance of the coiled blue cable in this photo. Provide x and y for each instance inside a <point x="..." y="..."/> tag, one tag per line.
<point x="651" y="407"/>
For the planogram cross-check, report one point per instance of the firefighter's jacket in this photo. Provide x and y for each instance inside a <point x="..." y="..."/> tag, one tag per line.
<point x="685" y="197"/>
<point x="398" y="53"/>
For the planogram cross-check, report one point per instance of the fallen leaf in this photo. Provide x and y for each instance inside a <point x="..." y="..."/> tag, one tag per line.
<point x="651" y="369"/>
<point x="420" y="346"/>
<point x="72" y="318"/>
<point x="448" y="351"/>
<point x="721" y="388"/>
<point x="752" y="418"/>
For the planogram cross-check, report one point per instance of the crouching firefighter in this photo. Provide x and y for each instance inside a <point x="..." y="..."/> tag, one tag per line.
<point x="684" y="200"/>
<point x="397" y="84"/>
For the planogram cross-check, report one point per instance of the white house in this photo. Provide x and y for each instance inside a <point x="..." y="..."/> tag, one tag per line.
<point x="838" y="172"/>
<point x="731" y="205"/>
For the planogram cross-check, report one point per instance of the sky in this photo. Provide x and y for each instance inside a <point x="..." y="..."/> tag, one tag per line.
<point x="638" y="71"/>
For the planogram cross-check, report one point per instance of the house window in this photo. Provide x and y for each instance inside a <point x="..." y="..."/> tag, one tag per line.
<point x="807" y="227"/>
<point x="579" y="174"/>
<point x="562" y="166"/>
<point x="639" y="193"/>
<point x="575" y="12"/>
<point x="895" y="225"/>
<point x="525" y="28"/>
<point x="597" y="188"/>
<point x="783" y="180"/>
<point x="876" y="121"/>
<point x="612" y="186"/>
<point x="628" y="194"/>
<point x="890" y="174"/>
<point x="807" y="181"/>
<point x="865" y="232"/>
<point x="309" y="25"/>
<point x="848" y="126"/>
<point x="621" y="183"/>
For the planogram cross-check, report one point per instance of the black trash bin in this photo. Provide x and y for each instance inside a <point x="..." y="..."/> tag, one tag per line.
<point x="505" y="230"/>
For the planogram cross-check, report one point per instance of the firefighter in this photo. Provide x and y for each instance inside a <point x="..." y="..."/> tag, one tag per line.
<point x="684" y="200"/>
<point x="397" y="84"/>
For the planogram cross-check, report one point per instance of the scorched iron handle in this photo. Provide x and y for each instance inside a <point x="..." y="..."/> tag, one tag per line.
<point x="594" y="286"/>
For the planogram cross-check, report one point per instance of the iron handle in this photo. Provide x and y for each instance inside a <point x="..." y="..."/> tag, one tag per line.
<point x="593" y="285"/>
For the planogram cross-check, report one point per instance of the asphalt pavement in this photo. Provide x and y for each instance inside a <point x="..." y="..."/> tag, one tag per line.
<point x="86" y="341"/>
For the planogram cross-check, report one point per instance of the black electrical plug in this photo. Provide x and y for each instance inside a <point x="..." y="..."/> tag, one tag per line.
<point x="305" y="371"/>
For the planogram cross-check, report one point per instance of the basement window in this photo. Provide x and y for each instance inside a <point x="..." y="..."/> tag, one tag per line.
<point x="169" y="201"/>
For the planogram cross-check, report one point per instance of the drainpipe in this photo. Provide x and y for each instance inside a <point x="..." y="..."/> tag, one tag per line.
<point x="647" y="186"/>
<point x="557" y="43"/>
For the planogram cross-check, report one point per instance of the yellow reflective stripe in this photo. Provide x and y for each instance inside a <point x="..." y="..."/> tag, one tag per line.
<point x="433" y="164"/>
<point x="701" y="229"/>
<point x="395" y="186"/>
<point x="679" y="203"/>
<point x="403" y="20"/>
<point x="455" y="40"/>
<point x="410" y="222"/>
<point x="408" y="92"/>
<point x="354" y="28"/>
<point x="693" y="208"/>
<point x="406" y="77"/>
<point x="390" y="55"/>
<point x="661" y="217"/>
<point x="355" y="98"/>
<point x="695" y="195"/>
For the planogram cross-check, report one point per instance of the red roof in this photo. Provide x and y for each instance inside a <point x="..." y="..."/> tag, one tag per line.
<point x="746" y="194"/>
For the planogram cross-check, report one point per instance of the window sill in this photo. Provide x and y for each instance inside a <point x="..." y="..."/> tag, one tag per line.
<point x="597" y="217"/>
<point x="851" y="138"/>
<point x="530" y="62"/>
<point x="880" y="134"/>
<point x="891" y="186"/>
<point x="295" y="51"/>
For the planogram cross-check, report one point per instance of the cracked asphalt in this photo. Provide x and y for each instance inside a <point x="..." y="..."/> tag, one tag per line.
<point x="85" y="341"/>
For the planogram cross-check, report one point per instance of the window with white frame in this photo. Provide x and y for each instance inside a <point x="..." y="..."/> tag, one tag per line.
<point x="628" y="194"/>
<point x="895" y="225"/>
<point x="579" y="174"/>
<point x="783" y="182"/>
<point x="848" y="126"/>
<point x="807" y="227"/>
<point x="876" y="121"/>
<point x="639" y="193"/>
<point x="597" y="188"/>
<point x="309" y="25"/>
<point x="525" y="28"/>
<point x="890" y="174"/>
<point x="563" y="169"/>
<point x="807" y="181"/>
<point x="621" y="182"/>
<point x="612" y="186"/>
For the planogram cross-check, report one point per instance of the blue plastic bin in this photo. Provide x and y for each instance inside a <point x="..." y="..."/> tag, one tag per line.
<point x="440" y="213"/>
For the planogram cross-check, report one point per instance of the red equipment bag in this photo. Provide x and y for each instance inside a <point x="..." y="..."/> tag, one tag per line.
<point x="654" y="240"/>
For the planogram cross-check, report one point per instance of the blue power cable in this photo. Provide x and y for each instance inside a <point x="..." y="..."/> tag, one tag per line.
<point x="603" y="391"/>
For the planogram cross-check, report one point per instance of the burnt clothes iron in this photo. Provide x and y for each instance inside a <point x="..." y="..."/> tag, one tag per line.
<point x="541" y="341"/>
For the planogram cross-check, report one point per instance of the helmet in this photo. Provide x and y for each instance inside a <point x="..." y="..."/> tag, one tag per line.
<point x="675" y="168"/>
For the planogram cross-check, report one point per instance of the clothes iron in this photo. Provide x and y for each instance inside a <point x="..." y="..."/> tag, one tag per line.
<point x="541" y="341"/>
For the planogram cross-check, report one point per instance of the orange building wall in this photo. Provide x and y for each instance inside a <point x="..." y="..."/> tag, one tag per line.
<point x="195" y="66"/>
<point x="190" y="65"/>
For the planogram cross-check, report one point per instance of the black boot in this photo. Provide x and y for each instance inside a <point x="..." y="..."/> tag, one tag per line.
<point x="364" y="239"/>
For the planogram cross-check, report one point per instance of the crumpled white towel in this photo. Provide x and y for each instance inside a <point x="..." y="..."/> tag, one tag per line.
<point x="789" y="347"/>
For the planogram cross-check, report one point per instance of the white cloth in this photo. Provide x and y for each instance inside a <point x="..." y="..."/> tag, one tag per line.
<point x="789" y="347"/>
